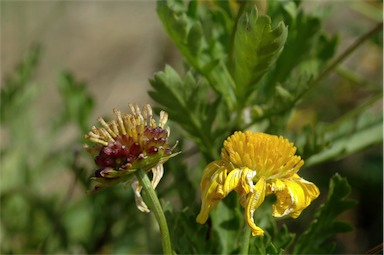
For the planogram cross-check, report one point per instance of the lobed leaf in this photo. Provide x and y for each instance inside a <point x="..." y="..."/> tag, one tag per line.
<point x="325" y="225"/>
<point x="188" y="236"/>
<point x="355" y="131"/>
<point x="203" y="52"/>
<point x="257" y="46"/>
<point x="227" y="225"/>
<point x="185" y="100"/>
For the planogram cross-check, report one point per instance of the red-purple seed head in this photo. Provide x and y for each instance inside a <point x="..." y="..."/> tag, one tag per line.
<point x="125" y="149"/>
<point x="135" y="149"/>
<point x="107" y="151"/>
<point x="152" y="150"/>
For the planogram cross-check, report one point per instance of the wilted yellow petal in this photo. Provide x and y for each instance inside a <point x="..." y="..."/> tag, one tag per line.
<point x="251" y="156"/>
<point x="141" y="205"/>
<point x="239" y="179"/>
<point x="293" y="196"/>
<point x="232" y="181"/>
<point x="211" y="189"/>
<point x="254" y="200"/>
<point x="157" y="174"/>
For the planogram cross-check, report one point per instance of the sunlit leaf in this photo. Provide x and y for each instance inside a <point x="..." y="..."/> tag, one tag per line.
<point x="257" y="46"/>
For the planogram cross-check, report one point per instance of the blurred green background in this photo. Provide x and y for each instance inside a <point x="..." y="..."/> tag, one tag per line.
<point x="97" y="55"/>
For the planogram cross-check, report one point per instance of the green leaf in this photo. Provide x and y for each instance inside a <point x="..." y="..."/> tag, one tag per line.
<point x="194" y="39"/>
<point x="185" y="31"/>
<point x="283" y="239"/>
<point x="227" y="224"/>
<point x="188" y="237"/>
<point x="302" y="44"/>
<point x="169" y="91"/>
<point x="205" y="55"/>
<point x="272" y="243"/>
<point x="257" y="46"/>
<point x="175" y="22"/>
<point x="185" y="100"/>
<point x="15" y="93"/>
<point x="355" y="131"/>
<point x="263" y="245"/>
<point x="275" y="240"/>
<point x="324" y="226"/>
<point x="77" y="101"/>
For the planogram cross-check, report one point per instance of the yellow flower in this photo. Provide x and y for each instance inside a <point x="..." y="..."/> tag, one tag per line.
<point x="133" y="141"/>
<point x="256" y="165"/>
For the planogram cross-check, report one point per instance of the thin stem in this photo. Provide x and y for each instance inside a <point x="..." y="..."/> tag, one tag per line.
<point x="154" y="205"/>
<point x="245" y="245"/>
<point x="343" y="56"/>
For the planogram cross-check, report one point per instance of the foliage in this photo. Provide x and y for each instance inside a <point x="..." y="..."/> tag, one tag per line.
<point x="325" y="224"/>
<point x="269" y="68"/>
<point x="246" y="67"/>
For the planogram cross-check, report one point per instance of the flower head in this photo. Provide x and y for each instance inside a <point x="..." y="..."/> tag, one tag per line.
<point x="133" y="141"/>
<point x="256" y="165"/>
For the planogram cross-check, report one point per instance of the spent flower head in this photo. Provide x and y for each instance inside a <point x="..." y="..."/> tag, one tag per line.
<point x="133" y="141"/>
<point x="256" y="165"/>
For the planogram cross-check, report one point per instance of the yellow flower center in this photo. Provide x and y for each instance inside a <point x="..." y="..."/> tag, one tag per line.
<point x="268" y="155"/>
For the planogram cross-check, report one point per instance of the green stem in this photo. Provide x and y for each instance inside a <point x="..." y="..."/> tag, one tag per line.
<point x="343" y="56"/>
<point x="154" y="205"/>
<point x="245" y="245"/>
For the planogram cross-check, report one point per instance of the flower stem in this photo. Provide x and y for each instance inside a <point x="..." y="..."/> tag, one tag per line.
<point x="245" y="245"/>
<point x="154" y="205"/>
